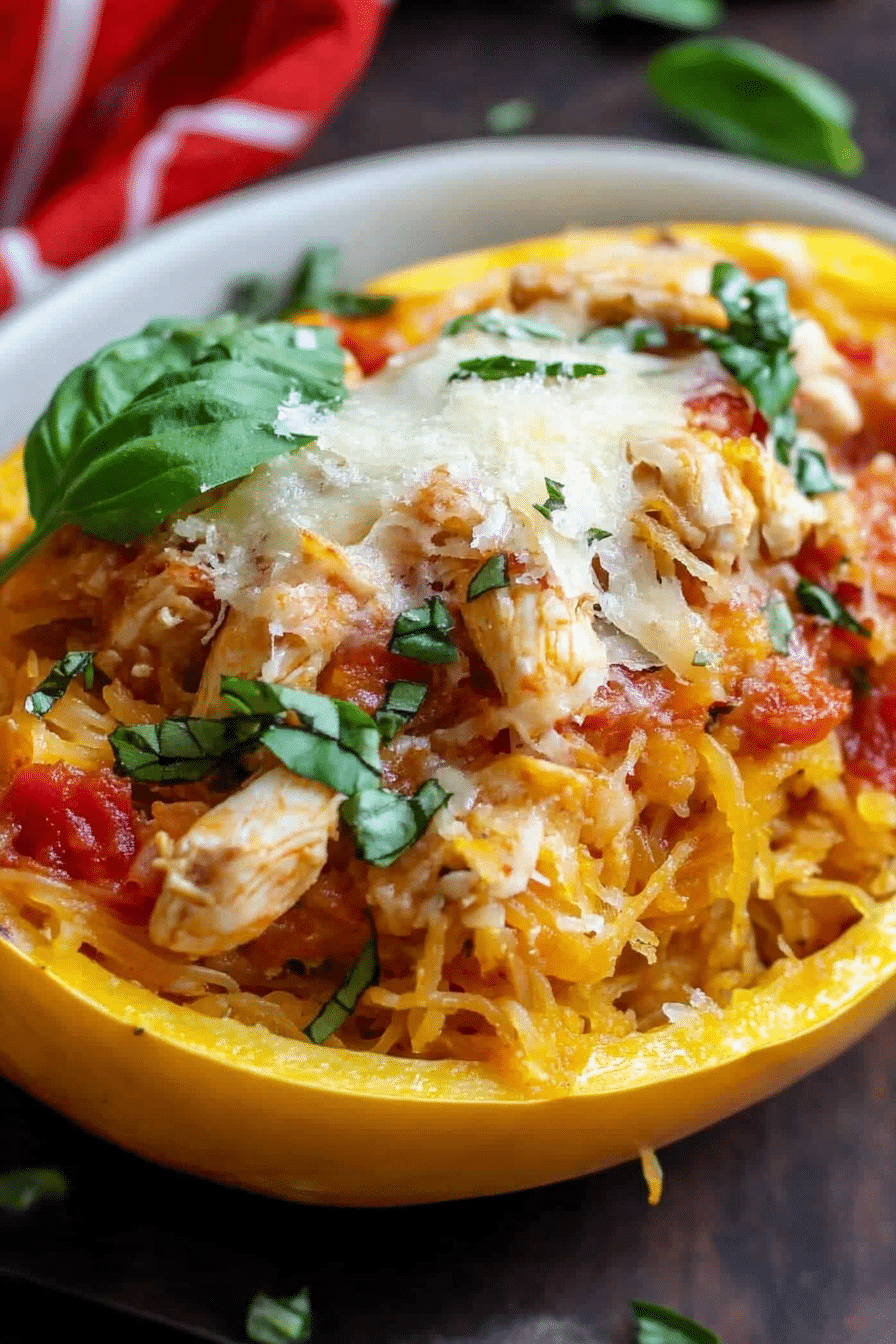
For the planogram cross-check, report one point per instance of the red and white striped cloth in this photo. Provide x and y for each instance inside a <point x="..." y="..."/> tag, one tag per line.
<point x="115" y="113"/>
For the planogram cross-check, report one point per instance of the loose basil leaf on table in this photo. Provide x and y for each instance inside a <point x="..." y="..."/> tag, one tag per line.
<point x="279" y="1320"/>
<point x="510" y="116"/>
<point x="754" y="101"/>
<point x="673" y="13"/>
<point x="156" y="420"/>
<point x="661" y="1325"/>
<point x="78" y="663"/>
<point x="21" y="1189"/>
<point x="314" y="289"/>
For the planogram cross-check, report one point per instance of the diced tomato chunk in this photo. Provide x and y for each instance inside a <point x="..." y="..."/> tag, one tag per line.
<point x="861" y="353"/>
<point x="869" y="739"/>
<point x="77" y="824"/>
<point x="792" y="704"/>
<point x="633" y="700"/>
<point x="361" y="673"/>
<point x="726" y="413"/>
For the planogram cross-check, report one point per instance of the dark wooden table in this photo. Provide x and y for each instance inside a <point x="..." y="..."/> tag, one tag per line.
<point x="776" y="1227"/>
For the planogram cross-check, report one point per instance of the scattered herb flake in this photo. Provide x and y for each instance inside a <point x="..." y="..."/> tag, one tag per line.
<point x="21" y="1189"/>
<point x="493" y="368"/>
<point x="279" y="1320"/>
<point x="385" y="825"/>
<point x="637" y="334"/>
<point x="314" y="289"/>
<point x="554" y="501"/>
<point x="703" y="659"/>
<point x="595" y="534"/>
<point x="779" y="620"/>
<point x="423" y="633"/>
<point x="510" y="117"/>
<point x="662" y="1325"/>
<point x="493" y="574"/>
<point x="495" y="322"/>
<point x="817" y="601"/>
<point x="342" y="1003"/>
<point x="400" y="703"/>
<point x="57" y="681"/>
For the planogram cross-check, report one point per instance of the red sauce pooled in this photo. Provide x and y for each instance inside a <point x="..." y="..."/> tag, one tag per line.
<point x="869" y="739"/>
<point x="726" y="413"/>
<point x="76" y="824"/>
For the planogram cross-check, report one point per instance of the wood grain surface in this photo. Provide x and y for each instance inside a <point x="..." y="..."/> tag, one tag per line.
<point x="776" y="1227"/>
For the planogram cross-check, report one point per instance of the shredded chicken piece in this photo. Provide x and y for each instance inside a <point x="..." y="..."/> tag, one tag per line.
<point x="243" y="864"/>
<point x="825" y="401"/>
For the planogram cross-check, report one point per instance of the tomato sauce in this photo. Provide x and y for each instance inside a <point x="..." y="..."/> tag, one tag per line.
<point x="869" y="739"/>
<point x="726" y="414"/>
<point x="75" y="824"/>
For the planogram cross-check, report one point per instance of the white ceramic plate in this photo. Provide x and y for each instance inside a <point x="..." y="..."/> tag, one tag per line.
<point x="388" y="211"/>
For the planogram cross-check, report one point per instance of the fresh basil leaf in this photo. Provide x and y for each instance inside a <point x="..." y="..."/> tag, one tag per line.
<point x="554" y="501"/>
<point x="253" y="296"/>
<point x="340" y="1005"/>
<point x="816" y="601"/>
<point x="337" y="744"/>
<point x="496" y="322"/>
<point x="595" y="534"/>
<point x="385" y="825"/>
<point x="279" y="1320"/>
<point x="400" y="703"/>
<point x="20" y="1190"/>
<point x="514" y="114"/>
<point x="662" y="1325"/>
<point x="191" y="429"/>
<point x="758" y="312"/>
<point x="493" y="574"/>
<point x="779" y="620"/>
<point x="57" y="681"/>
<point x="423" y="633"/>
<point x="673" y="13"/>
<point x="753" y="100"/>
<point x="180" y="750"/>
<point x="811" y="472"/>
<point x="314" y="289"/>
<point x="769" y="376"/>
<point x="495" y="367"/>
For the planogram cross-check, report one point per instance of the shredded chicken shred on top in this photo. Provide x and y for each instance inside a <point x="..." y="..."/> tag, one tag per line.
<point x="651" y="807"/>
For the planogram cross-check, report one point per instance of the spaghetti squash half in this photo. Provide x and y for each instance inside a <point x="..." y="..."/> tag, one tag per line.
<point x="481" y="766"/>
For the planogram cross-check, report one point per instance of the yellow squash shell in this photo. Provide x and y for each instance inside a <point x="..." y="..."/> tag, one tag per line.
<point x="324" y="1125"/>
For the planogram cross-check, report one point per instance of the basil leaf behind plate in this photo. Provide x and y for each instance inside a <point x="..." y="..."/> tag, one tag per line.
<point x="673" y="13"/>
<point x="755" y="101"/>
<point x="662" y="1325"/>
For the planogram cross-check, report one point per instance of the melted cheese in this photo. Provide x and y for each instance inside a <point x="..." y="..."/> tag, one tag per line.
<point x="498" y="440"/>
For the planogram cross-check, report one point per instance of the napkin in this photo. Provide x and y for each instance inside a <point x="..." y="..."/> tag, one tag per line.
<point x="117" y="113"/>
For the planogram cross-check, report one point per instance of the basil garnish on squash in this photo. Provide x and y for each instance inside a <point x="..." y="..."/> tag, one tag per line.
<point x="754" y="101"/>
<point x="424" y="633"/>
<point x="400" y="703"/>
<point x="181" y="750"/>
<point x="314" y="289"/>
<point x="595" y="534"/>
<point x="498" y="323"/>
<point x="385" y="825"/>
<point x="662" y="1325"/>
<point x="57" y="681"/>
<point x="554" y="501"/>
<point x="279" y="1320"/>
<point x="493" y="368"/>
<point x="155" y="420"/>
<point x="638" y="334"/>
<point x="342" y="1003"/>
<point x="780" y="624"/>
<point x="817" y="601"/>
<point x="493" y="574"/>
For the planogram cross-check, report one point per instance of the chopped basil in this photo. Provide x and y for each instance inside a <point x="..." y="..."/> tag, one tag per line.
<point x="385" y="825"/>
<point x="279" y="1320"/>
<point x="57" y="681"/>
<point x="662" y="1325"/>
<point x="780" y="624"/>
<point x="21" y="1189"/>
<point x="314" y="289"/>
<point x="819" y="602"/>
<point x="810" y="471"/>
<point x="498" y="323"/>
<point x="703" y="659"/>
<point x="401" y="702"/>
<point x="494" y="367"/>
<point x="342" y="1003"/>
<point x="515" y="114"/>
<point x="253" y="296"/>
<point x="754" y="101"/>
<point x="153" y="421"/>
<point x="336" y="743"/>
<point x="493" y="574"/>
<point x="672" y="13"/>
<point x="554" y="501"/>
<point x="595" y="534"/>
<point x="423" y="633"/>
<point x="180" y="750"/>
<point x="637" y="334"/>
